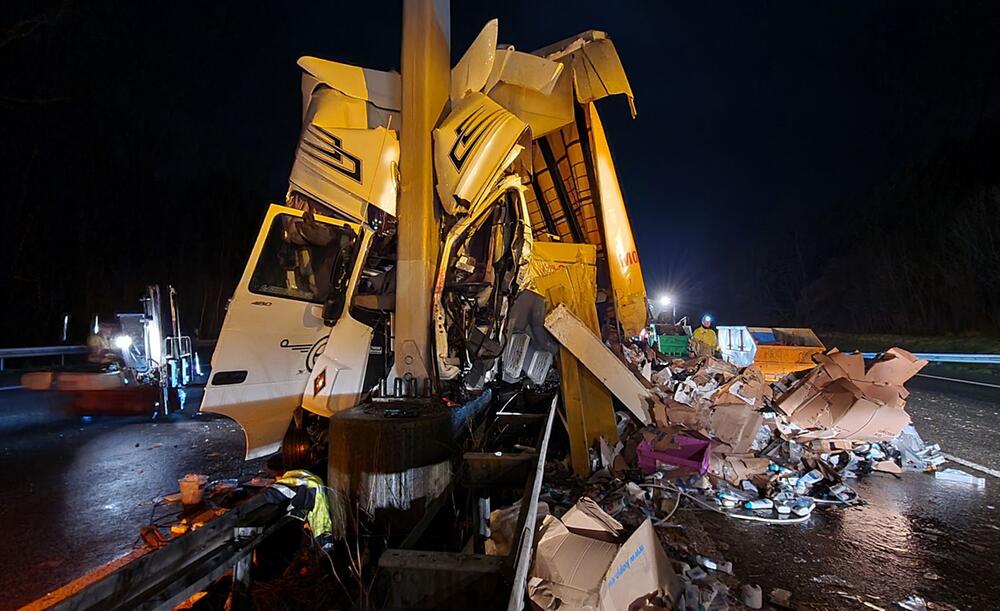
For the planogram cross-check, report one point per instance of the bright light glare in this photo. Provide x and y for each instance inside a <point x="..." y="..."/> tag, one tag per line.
<point x="123" y="342"/>
<point x="665" y="300"/>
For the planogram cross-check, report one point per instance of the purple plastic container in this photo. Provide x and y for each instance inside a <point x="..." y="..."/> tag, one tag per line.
<point x="692" y="453"/>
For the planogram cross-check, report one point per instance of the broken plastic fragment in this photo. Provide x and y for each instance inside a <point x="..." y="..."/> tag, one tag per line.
<point x="955" y="475"/>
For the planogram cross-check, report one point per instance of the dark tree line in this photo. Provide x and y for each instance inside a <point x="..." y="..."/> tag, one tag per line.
<point x="918" y="255"/>
<point x="114" y="177"/>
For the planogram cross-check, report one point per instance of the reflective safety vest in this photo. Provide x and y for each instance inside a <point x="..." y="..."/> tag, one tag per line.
<point x="705" y="342"/>
<point x="307" y="500"/>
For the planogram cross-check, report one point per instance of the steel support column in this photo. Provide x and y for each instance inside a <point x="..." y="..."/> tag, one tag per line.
<point x="426" y="74"/>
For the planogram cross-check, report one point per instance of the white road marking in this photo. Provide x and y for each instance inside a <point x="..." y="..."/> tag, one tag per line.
<point x="11" y="387"/>
<point x="972" y="465"/>
<point x="927" y="375"/>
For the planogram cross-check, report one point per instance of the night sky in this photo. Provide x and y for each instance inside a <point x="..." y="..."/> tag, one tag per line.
<point x="160" y="123"/>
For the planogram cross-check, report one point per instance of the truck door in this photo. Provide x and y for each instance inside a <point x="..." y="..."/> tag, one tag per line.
<point x="301" y="270"/>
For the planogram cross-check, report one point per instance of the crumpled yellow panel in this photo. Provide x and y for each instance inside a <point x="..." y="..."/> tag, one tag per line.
<point x="623" y="258"/>
<point x="566" y="274"/>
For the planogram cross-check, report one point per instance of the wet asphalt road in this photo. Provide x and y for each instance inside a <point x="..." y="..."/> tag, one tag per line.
<point x="75" y="493"/>
<point x="914" y="536"/>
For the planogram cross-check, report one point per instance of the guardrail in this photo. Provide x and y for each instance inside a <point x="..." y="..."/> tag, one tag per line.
<point x="950" y="357"/>
<point x="62" y="351"/>
<point x="39" y="351"/>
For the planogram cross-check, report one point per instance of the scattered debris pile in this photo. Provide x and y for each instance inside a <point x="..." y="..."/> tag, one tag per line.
<point x="724" y="440"/>
<point x="771" y="452"/>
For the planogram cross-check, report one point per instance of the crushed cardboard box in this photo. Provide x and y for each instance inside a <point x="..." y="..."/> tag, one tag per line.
<point x="587" y="519"/>
<point x="576" y="572"/>
<point x="735" y="425"/>
<point x="839" y="399"/>
<point x="735" y="469"/>
<point x="503" y="524"/>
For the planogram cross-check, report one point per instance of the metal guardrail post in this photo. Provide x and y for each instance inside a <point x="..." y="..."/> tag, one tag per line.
<point x="524" y="553"/>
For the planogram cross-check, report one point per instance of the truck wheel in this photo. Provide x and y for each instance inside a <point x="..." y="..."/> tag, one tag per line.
<point x="296" y="449"/>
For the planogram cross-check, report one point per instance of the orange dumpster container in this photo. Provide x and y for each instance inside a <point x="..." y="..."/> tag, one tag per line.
<point x="782" y="350"/>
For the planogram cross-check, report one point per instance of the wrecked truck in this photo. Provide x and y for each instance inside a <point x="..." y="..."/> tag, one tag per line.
<point x="526" y="193"/>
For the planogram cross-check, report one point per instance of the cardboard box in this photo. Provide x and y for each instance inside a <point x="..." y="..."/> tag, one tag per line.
<point x="840" y="400"/>
<point x="735" y="469"/>
<point x="573" y="573"/>
<point x="735" y="425"/>
<point x="749" y="387"/>
<point x="667" y="413"/>
<point x="503" y="523"/>
<point x="587" y="519"/>
<point x="571" y="566"/>
<point x="640" y="573"/>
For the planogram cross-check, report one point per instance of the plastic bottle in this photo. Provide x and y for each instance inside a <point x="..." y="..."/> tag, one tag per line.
<point x="803" y="507"/>
<point x="806" y="481"/>
<point x="759" y="504"/>
<point x="728" y="499"/>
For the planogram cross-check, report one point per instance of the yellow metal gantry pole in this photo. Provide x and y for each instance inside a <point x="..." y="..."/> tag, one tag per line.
<point x="426" y="75"/>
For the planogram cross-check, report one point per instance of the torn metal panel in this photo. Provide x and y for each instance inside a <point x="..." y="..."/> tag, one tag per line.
<point x="536" y="90"/>
<point x="566" y="274"/>
<point x="598" y="73"/>
<point x="481" y="263"/>
<point x="524" y="70"/>
<point x="597" y="69"/>
<point x="348" y="151"/>
<point x="472" y="71"/>
<point x="573" y="334"/>
<point x="485" y="251"/>
<point x="380" y="88"/>
<point x="473" y="146"/>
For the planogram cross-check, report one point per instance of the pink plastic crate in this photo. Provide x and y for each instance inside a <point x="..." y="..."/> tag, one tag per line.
<point x="692" y="453"/>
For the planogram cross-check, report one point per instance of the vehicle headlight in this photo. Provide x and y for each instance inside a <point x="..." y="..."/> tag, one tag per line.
<point x="123" y="342"/>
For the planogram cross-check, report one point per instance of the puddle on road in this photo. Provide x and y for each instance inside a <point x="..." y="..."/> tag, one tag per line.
<point x="915" y="535"/>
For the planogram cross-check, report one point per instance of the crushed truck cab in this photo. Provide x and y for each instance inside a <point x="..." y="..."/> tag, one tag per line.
<point x="520" y="160"/>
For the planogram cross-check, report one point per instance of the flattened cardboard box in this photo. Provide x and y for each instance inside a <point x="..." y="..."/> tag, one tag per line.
<point x="575" y="573"/>
<point x="839" y="400"/>
<point x="736" y="426"/>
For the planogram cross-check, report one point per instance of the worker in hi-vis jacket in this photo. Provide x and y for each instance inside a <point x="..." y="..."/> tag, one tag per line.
<point x="704" y="340"/>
